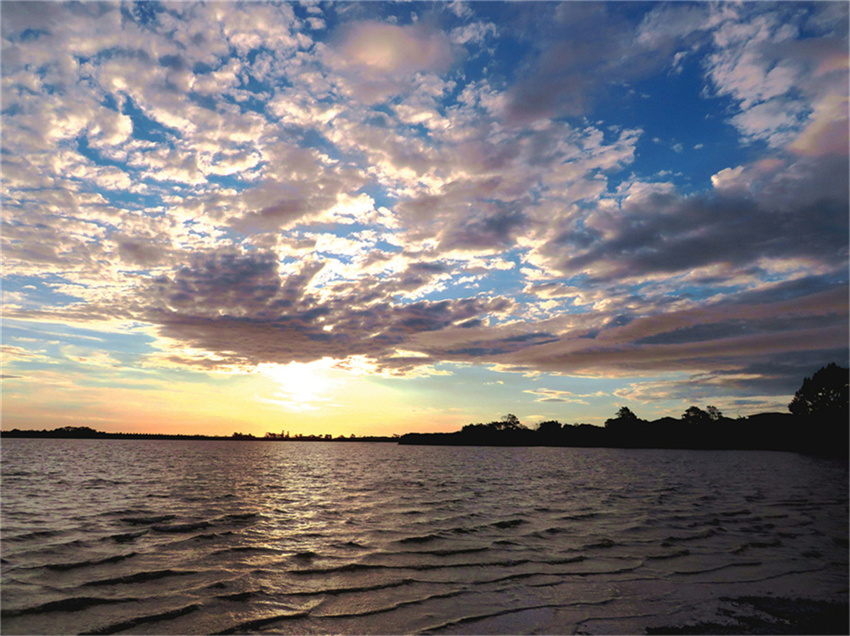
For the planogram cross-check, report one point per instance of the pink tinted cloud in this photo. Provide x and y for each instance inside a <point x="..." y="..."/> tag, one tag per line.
<point x="379" y="48"/>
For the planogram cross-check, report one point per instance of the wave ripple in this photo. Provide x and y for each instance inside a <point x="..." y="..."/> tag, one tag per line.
<point x="178" y="537"/>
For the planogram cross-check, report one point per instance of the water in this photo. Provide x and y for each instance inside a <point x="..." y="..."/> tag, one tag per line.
<point x="203" y="537"/>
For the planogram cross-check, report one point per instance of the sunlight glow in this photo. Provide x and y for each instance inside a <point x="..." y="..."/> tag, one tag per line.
<point x="302" y="386"/>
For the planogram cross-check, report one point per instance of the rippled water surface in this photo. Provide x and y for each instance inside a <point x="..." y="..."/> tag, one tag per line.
<point x="202" y="537"/>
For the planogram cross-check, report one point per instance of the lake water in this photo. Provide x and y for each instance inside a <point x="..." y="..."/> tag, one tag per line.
<point x="204" y="537"/>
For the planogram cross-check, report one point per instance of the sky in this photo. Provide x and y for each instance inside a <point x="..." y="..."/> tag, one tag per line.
<point x="377" y="218"/>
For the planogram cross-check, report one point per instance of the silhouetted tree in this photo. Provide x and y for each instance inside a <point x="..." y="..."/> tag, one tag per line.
<point x="624" y="416"/>
<point x="825" y="394"/>
<point x="550" y="427"/>
<point x="695" y="415"/>
<point x="75" y="431"/>
<point x="626" y="429"/>
<point x="510" y="422"/>
<point x="714" y="413"/>
<point x="625" y="413"/>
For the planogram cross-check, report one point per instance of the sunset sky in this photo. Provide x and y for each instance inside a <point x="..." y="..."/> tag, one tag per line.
<point x="378" y="218"/>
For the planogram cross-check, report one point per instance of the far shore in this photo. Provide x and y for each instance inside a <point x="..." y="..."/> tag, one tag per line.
<point x="84" y="432"/>
<point x="765" y="431"/>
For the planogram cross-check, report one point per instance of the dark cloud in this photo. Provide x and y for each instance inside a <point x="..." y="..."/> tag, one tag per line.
<point x="233" y="283"/>
<point x="775" y="313"/>
<point x="781" y="374"/>
<point x="767" y="381"/>
<point x="485" y="231"/>
<point x="429" y="267"/>
<point x="287" y="204"/>
<point x="580" y="49"/>
<point x="242" y="310"/>
<point x="823" y="291"/>
<point x="300" y="186"/>
<point x="724" y="337"/>
<point x="499" y="346"/>
<point x="141" y="251"/>
<point x="280" y="214"/>
<point x="732" y="328"/>
<point x="419" y="274"/>
<point x="664" y="233"/>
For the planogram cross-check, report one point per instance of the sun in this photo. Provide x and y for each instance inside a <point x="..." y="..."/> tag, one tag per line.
<point x="301" y="386"/>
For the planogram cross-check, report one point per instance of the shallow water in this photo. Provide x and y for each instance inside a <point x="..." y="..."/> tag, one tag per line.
<point x="203" y="537"/>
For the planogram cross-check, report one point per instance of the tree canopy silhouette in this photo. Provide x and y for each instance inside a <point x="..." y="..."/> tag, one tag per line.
<point x="695" y="415"/>
<point x="825" y="394"/>
<point x="625" y="416"/>
<point x="509" y="422"/>
<point x="549" y="427"/>
<point x="625" y="413"/>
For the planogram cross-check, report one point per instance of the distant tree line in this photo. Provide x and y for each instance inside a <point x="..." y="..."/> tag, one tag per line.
<point x="817" y="423"/>
<point x="85" y="432"/>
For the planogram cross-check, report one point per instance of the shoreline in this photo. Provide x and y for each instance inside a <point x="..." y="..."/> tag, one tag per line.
<point x="31" y="434"/>
<point x="444" y="439"/>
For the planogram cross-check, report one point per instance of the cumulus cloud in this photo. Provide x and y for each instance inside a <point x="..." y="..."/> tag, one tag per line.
<point x="388" y="48"/>
<point x="378" y="60"/>
<point x="786" y="87"/>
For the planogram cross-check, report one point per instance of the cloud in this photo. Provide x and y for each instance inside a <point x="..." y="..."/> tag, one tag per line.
<point x="671" y="23"/>
<point x="378" y="60"/>
<point x="827" y="134"/>
<point x="787" y="88"/>
<point x="259" y="191"/>
<point x="388" y="48"/>
<point x="581" y="50"/>
<point x="726" y="336"/>
<point x="245" y="309"/>
<point x="758" y="386"/>
<point x="551" y="395"/>
<point x="774" y="213"/>
<point x="474" y="33"/>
